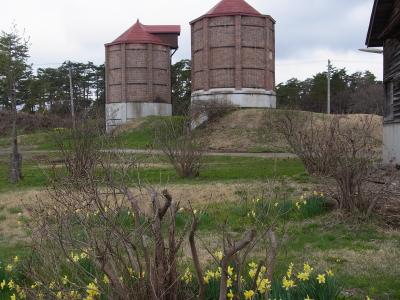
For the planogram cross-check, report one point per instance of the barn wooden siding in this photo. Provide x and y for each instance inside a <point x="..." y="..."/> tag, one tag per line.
<point x="392" y="72"/>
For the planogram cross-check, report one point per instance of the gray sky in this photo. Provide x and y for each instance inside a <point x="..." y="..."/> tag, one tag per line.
<point x="308" y="32"/>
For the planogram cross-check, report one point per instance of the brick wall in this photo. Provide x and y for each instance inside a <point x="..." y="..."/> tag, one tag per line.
<point x="233" y="52"/>
<point x="138" y="73"/>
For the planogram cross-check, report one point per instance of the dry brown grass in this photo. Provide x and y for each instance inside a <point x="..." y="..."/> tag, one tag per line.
<point x="245" y="131"/>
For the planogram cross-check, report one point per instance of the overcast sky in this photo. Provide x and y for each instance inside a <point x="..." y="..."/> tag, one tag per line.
<point x="308" y="32"/>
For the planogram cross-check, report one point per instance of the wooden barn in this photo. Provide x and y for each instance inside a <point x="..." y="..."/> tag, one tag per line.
<point x="384" y="31"/>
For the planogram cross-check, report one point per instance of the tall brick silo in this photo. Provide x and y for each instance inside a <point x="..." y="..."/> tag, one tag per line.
<point x="233" y="55"/>
<point x="138" y="66"/>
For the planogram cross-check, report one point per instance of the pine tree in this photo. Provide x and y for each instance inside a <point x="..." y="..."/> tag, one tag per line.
<point x="14" y="70"/>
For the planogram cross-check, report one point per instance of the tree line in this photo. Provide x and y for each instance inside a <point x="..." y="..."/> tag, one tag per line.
<point x="358" y="92"/>
<point x="48" y="89"/>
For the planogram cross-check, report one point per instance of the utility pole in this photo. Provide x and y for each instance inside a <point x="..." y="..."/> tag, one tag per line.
<point x="329" y="87"/>
<point x="71" y="92"/>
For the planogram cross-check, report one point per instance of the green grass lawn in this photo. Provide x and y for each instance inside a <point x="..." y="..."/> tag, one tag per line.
<point x="216" y="169"/>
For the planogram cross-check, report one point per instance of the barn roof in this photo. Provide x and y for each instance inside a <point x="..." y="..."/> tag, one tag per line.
<point x="146" y="34"/>
<point x="379" y="21"/>
<point x="229" y="8"/>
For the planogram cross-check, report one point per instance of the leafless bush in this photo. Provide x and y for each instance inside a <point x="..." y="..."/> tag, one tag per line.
<point x="94" y="228"/>
<point x="182" y="146"/>
<point x="78" y="147"/>
<point x="336" y="147"/>
<point x="99" y="234"/>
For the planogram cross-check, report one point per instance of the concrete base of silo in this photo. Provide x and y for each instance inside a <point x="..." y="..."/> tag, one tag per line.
<point x="247" y="98"/>
<point x="121" y="113"/>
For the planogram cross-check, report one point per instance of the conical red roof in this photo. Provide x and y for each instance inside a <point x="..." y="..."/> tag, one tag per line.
<point x="230" y="8"/>
<point x="233" y="7"/>
<point x="138" y="34"/>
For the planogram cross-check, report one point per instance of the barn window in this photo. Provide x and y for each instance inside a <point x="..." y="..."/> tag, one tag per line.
<point x="389" y="101"/>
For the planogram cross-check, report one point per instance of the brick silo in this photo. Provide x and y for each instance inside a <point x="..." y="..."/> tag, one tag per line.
<point x="233" y="55"/>
<point x="138" y="66"/>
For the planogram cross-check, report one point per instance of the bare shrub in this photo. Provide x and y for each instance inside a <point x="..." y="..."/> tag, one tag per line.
<point x="182" y="145"/>
<point x="336" y="147"/>
<point x="78" y="147"/>
<point x="100" y="236"/>
<point x="96" y="229"/>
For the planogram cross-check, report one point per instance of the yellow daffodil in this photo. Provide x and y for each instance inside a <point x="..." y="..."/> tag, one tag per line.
<point x="2" y="284"/>
<point x="59" y="295"/>
<point x="263" y="285"/>
<point x="22" y="294"/>
<point x="187" y="277"/>
<point x="229" y="283"/>
<point x="287" y="283"/>
<point x="217" y="273"/>
<point x="52" y="285"/>
<point x="253" y="265"/>
<point x="308" y="298"/>
<point x="65" y="280"/>
<point x="230" y="295"/>
<point x="219" y="255"/>
<point x="9" y="268"/>
<point x="321" y="278"/>
<point x="230" y="270"/>
<point x="303" y="276"/>
<point x="92" y="290"/>
<point x="11" y="284"/>
<point x="13" y="297"/>
<point x="248" y="295"/>
<point x="307" y="268"/>
<point x="16" y="259"/>
<point x="330" y="273"/>
<point x="106" y="280"/>
<point x="290" y="270"/>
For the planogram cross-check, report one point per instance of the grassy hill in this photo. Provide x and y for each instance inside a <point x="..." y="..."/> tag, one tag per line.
<point x="244" y="130"/>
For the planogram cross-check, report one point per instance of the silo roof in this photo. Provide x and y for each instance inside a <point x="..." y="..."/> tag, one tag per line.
<point x="231" y="7"/>
<point x="142" y="34"/>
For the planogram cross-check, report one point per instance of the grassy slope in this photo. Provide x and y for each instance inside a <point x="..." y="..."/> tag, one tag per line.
<point x="240" y="131"/>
